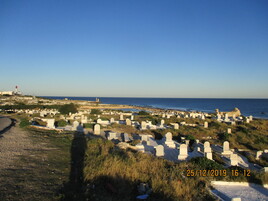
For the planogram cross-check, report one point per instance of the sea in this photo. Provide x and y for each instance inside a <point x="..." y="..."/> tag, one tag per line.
<point x="256" y="107"/>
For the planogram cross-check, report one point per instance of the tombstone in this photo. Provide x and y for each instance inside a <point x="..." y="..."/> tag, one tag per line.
<point x="205" y="124"/>
<point x="197" y="149"/>
<point x="144" y="137"/>
<point x="168" y="140"/>
<point x="112" y="136"/>
<point x="128" y="122"/>
<point x="247" y="121"/>
<point x="50" y="123"/>
<point x="226" y="118"/>
<point x="163" y="115"/>
<point x="121" y="117"/>
<point x="196" y="141"/>
<point x="218" y="117"/>
<point x="258" y="154"/>
<point x="84" y="120"/>
<point x="187" y="142"/>
<point x="176" y="126"/>
<point x="131" y="117"/>
<point x="226" y="148"/>
<point x="229" y="130"/>
<point x="99" y="121"/>
<point x="111" y="120"/>
<point x="183" y="152"/>
<point x="126" y="137"/>
<point x="234" y="160"/>
<point x="97" y="129"/>
<point x="143" y="125"/>
<point x="202" y="117"/>
<point x="250" y="117"/>
<point x="159" y="150"/>
<point x="75" y="124"/>
<point x="162" y="123"/>
<point x="207" y="148"/>
<point x="140" y="147"/>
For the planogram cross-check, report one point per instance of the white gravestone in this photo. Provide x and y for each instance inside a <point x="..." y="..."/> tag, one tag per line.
<point x="226" y="148"/>
<point x="75" y="125"/>
<point x="97" y="129"/>
<point x="143" y="125"/>
<point x="159" y="150"/>
<point x="128" y="122"/>
<point x="207" y="150"/>
<point x="50" y="123"/>
<point x="183" y="152"/>
<point x="168" y="140"/>
<point x="205" y="124"/>
<point x="234" y="160"/>
<point x="111" y="120"/>
<point x="176" y="126"/>
<point x="121" y="117"/>
<point x="112" y="136"/>
<point x="229" y="130"/>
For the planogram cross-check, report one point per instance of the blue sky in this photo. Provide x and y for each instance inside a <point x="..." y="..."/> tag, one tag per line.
<point x="135" y="48"/>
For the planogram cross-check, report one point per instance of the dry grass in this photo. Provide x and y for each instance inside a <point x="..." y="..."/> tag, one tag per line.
<point x="107" y="165"/>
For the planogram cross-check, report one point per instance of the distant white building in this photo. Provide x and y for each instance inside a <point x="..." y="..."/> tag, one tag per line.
<point x="7" y="93"/>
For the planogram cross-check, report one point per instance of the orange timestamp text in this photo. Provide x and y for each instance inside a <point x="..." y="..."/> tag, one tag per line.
<point x="217" y="173"/>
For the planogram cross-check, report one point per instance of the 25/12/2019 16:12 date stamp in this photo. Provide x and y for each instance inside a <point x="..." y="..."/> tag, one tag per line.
<point x="217" y="173"/>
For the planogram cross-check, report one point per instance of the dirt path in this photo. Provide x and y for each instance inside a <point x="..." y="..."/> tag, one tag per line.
<point x="13" y="143"/>
<point x="33" y="165"/>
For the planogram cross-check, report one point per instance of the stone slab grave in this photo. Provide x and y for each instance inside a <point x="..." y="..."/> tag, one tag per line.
<point x="112" y="136"/>
<point x="75" y="124"/>
<point x="234" y="160"/>
<point x="128" y="122"/>
<point x="143" y="125"/>
<point x="97" y="129"/>
<point x="226" y="149"/>
<point x="205" y="124"/>
<point x="183" y="152"/>
<point x="159" y="150"/>
<point x="50" y="123"/>
<point x="207" y="150"/>
<point x="140" y="147"/>
<point x="126" y="137"/>
<point x="168" y="140"/>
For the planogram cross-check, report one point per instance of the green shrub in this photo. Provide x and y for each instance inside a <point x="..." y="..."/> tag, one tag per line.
<point x="95" y="111"/>
<point x="206" y="164"/>
<point x="143" y="113"/>
<point x="61" y="123"/>
<point x="67" y="108"/>
<point x="24" y="123"/>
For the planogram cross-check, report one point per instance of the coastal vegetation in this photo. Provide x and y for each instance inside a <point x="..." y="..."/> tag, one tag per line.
<point x="68" y="108"/>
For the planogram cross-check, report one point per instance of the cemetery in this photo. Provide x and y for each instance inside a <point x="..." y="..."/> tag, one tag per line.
<point x="225" y="139"/>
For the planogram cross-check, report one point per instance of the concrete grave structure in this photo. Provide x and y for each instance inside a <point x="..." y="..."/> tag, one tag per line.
<point x="183" y="152"/>
<point x="159" y="150"/>
<point x="50" y="123"/>
<point x="205" y="124"/>
<point x="97" y="129"/>
<point x="168" y="140"/>
<point x="226" y="148"/>
<point x="128" y="122"/>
